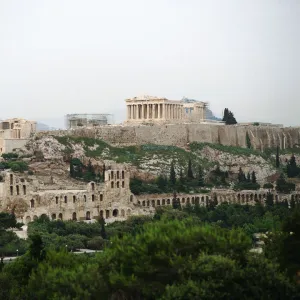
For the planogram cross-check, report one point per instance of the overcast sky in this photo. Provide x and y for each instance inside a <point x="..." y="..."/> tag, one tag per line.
<point x="76" y="56"/>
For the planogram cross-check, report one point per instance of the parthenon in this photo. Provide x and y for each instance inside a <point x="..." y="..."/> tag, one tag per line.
<point x="159" y="109"/>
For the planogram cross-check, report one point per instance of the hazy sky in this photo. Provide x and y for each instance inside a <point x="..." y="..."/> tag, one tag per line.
<point x="76" y="56"/>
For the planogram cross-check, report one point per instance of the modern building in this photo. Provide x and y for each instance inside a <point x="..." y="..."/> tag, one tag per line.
<point x="87" y="120"/>
<point x="15" y="133"/>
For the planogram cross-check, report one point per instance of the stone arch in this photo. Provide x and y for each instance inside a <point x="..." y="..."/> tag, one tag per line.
<point x="84" y="197"/>
<point x="66" y="199"/>
<point x="163" y="202"/>
<point x="128" y="212"/>
<point x="18" y="190"/>
<point x="188" y="200"/>
<point x="93" y="186"/>
<point x="123" y="175"/>
<point x="118" y="184"/>
<point x="88" y="215"/>
<point x="112" y="184"/>
<point x="153" y="202"/>
<point x="193" y="200"/>
<point x="168" y="201"/>
<point x="183" y="200"/>
<point x="107" y="214"/>
<point x="28" y="219"/>
<point x="101" y="213"/>
<point x="115" y="213"/>
<point x="74" y="199"/>
<point x="197" y="200"/>
<point x="144" y="203"/>
<point x="122" y="213"/>
<point x="60" y="216"/>
<point x="139" y="202"/>
<point x="158" y="202"/>
<point x="31" y="203"/>
<point x="148" y="203"/>
<point x="53" y="216"/>
<point x="56" y="200"/>
<point x="74" y="216"/>
<point x="202" y="199"/>
<point x="118" y="175"/>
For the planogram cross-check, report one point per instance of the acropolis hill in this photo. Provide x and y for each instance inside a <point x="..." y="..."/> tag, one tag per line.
<point x="157" y="120"/>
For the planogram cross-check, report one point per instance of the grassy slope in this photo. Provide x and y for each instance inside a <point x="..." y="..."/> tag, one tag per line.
<point x="156" y="158"/>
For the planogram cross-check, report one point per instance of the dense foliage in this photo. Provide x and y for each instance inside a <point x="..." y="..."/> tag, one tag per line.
<point x="228" y="117"/>
<point x="175" y="255"/>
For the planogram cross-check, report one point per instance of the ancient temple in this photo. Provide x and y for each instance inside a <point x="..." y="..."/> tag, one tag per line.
<point x="158" y="109"/>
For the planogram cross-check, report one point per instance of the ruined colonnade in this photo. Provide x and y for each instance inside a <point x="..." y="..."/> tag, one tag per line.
<point x="163" y="111"/>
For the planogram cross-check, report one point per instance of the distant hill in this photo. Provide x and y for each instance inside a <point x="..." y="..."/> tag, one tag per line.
<point x="210" y="116"/>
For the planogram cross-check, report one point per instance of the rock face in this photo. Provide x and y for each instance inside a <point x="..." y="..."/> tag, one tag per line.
<point x="261" y="137"/>
<point x="232" y="163"/>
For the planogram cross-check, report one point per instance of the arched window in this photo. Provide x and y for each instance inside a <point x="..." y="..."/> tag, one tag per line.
<point x="66" y="199"/>
<point x="163" y="202"/>
<point x="153" y="202"/>
<point x="93" y="198"/>
<point x="118" y="174"/>
<point x="84" y="197"/>
<point x="193" y="200"/>
<point x="188" y="200"/>
<point x="28" y="219"/>
<point x="128" y="212"/>
<point x="32" y="203"/>
<point x="143" y="203"/>
<point x="53" y="217"/>
<point x="35" y="217"/>
<point x="56" y="200"/>
<point x="115" y="213"/>
<point x="11" y="177"/>
<point x="168" y="201"/>
<point x="183" y="200"/>
<point x="112" y="184"/>
<point x="24" y="189"/>
<point x="123" y="213"/>
<point x="148" y="203"/>
<point x="93" y="186"/>
<point x="107" y="214"/>
<point x="101" y="213"/>
<point x="123" y="175"/>
<point x="158" y="202"/>
<point x="118" y="184"/>
<point x="88" y="215"/>
<point x="123" y="184"/>
<point x="18" y="190"/>
<point x="74" y="199"/>
<point x="11" y="190"/>
<point x="101" y="197"/>
<point x="74" y="218"/>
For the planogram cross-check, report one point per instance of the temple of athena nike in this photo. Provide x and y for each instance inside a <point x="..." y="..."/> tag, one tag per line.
<point x="145" y="109"/>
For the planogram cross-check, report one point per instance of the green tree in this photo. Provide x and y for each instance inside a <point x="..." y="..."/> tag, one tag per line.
<point x="102" y="231"/>
<point x="200" y="176"/>
<point x="292" y="168"/>
<point x="269" y="199"/>
<point x="172" y="174"/>
<point x="277" y="158"/>
<point x="176" y="201"/>
<point x="248" y="141"/>
<point x="253" y="177"/>
<point x="36" y="248"/>
<point x="190" y="174"/>
<point x="228" y="117"/>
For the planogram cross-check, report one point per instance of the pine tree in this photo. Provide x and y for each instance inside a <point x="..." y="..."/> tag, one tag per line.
<point x="277" y="158"/>
<point x="292" y="168"/>
<point x="190" y="171"/>
<point x="172" y="174"/>
<point x="102" y="230"/>
<point x="228" y="117"/>
<point x="241" y="175"/>
<point x="71" y="168"/>
<point x="225" y="115"/>
<point x="269" y="200"/>
<point x="200" y="176"/>
<point x="248" y="177"/>
<point x="248" y="141"/>
<point x="161" y="182"/>
<point x="176" y="202"/>
<point x="253" y="177"/>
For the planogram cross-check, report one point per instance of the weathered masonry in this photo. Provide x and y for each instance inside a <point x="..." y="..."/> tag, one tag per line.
<point x="158" y="109"/>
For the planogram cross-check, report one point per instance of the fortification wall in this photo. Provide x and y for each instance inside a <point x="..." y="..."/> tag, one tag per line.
<point x="182" y="134"/>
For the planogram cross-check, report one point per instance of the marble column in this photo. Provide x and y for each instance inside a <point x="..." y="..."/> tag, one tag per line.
<point x="159" y="111"/>
<point x="147" y="111"/>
